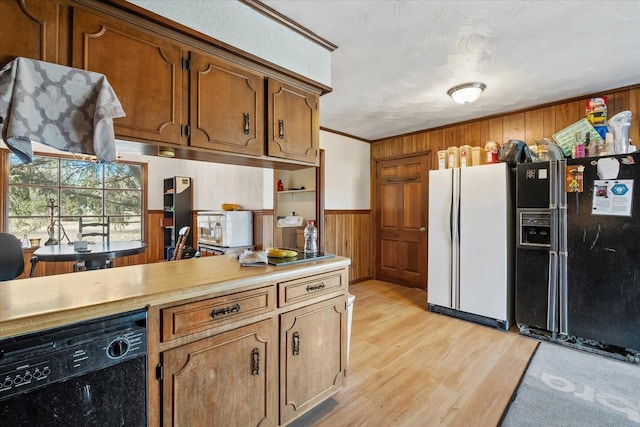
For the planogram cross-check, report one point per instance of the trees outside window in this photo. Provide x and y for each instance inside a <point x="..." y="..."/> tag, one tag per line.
<point x="79" y="188"/>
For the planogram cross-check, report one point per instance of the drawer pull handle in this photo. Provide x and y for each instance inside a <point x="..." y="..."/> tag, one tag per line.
<point x="255" y="358"/>
<point x="227" y="310"/>
<point x="281" y="129"/>
<point x="246" y="123"/>
<point x="296" y="343"/>
<point x="315" y="287"/>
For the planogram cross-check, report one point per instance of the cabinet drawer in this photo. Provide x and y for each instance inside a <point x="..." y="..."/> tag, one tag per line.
<point x="198" y="316"/>
<point x="309" y="287"/>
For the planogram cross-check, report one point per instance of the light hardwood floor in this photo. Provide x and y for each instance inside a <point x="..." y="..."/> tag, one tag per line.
<point x="410" y="367"/>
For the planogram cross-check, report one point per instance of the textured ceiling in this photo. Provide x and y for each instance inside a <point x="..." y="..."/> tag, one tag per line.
<point x="396" y="59"/>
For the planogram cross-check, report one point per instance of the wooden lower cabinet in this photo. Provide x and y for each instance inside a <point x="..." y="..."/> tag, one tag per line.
<point x="259" y="356"/>
<point x="227" y="379"/>
<point x="312" y="356"/>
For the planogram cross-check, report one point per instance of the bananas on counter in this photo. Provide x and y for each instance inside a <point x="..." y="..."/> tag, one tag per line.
<point x="280" y="253"/>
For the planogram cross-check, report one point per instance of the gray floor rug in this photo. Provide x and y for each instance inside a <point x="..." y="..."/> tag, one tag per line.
<point x="567" y="387"/>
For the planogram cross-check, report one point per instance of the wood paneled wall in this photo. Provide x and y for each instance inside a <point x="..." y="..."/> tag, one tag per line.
<point x="527" y="125"/>
<point x="348" y="233"/>
<point x="263" y="228"/>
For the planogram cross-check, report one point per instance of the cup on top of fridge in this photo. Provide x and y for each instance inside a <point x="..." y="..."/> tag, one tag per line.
<point x="465" y="156"/>
<point x="478" y="156"/>
<point x="442" y="159"/>
<point x="492" y="149"/>
<point x="453" y="157"/>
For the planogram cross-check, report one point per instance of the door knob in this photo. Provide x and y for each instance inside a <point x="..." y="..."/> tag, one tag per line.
<point x="423" y="228"/>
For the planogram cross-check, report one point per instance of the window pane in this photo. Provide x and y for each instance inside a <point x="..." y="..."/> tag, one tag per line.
<point x="126" y="228"/>
<point x="78" y="173"/>
<point x="123" y="202"/>
<point x="77" y="188"/>
<point x="77" y="201"/>
<point x="87" y="228"/>
<point x="31" y="201"/>
<point x="123" y="176"/>
<point x="32" y="227"/>
<point x="42" y="171"/>
<point x="70" y="227"/>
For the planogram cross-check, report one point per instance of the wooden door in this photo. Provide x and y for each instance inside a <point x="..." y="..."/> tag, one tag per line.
<point x="144" y="69"/>
<point x="312" y="356"/>
<point x="227" y="379"/>
<point x="293" y="129"/>
<point x="401" y="221"/>
<point x="227" y="106"/>
<point x="30" y="29"/>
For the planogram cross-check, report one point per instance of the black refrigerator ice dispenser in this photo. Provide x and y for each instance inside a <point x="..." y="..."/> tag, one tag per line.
<point x="535" y="229"/>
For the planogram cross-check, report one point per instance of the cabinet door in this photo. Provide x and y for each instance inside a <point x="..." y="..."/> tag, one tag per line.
<point x="144" y="69"/>
<point x="30" y="29"/>
<point x="227" y="379"/>
<point x="293" y="128"/>
<point x="227" y="106"/>
<point x="312" y="356"/>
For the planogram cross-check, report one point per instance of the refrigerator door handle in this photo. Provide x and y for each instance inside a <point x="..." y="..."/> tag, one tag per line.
<point x="561" y="179"/>
<point x="563" y="250"/>
<point x="455" y="240"/>
<point x="552" y="297"/>
<point x="562" y="294"/>
<point x="553" y="186"/>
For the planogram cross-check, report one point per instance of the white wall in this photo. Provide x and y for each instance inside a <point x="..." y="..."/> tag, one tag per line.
<point x="213" y="184"/>
<point x="346" y="171"/>
<point x="346" y="179"/>
<point x="240" y="26"/>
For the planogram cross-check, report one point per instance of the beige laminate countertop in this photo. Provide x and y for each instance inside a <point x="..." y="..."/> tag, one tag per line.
<point x="28" y="305"/>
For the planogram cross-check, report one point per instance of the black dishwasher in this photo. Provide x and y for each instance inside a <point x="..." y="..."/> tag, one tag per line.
<point x="92" y="373"/>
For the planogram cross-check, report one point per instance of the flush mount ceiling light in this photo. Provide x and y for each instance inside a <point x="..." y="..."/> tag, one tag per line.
<point x="466" y="93"/>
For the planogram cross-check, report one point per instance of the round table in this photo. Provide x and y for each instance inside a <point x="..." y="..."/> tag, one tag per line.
<point x="95" y="257"/>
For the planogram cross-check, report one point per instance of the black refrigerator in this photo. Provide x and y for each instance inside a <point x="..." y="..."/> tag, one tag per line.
<point x="578" y="252"/>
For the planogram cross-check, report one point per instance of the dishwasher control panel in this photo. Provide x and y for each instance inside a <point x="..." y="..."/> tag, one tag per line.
<point x="33" y="361"/>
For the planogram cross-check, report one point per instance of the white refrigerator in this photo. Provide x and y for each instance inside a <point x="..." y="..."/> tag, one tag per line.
<point x="470" y="261"/>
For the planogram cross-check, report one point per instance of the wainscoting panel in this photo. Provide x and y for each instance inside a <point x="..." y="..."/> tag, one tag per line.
<point x="348" y="233"/>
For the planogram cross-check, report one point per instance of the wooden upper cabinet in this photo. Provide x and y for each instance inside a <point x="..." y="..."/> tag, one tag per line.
<point x="144" y="69"/>
<point x="227" y="106"/>
<point x="30" y="29"/>
<point x="293" y="126"/>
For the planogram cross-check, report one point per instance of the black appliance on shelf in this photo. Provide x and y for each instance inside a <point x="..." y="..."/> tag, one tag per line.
<point x="177" y="201"/>
<point x="578" y="253"/>
<point x="86" y="374"/>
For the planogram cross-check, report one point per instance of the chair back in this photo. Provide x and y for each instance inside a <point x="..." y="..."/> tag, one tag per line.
<point x="96" y="228"/>
<point x="11" y="258"/>
<point x="180" y="244"/>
